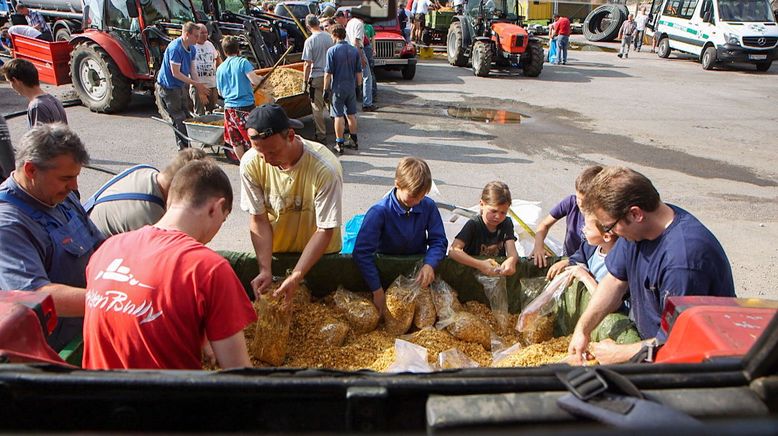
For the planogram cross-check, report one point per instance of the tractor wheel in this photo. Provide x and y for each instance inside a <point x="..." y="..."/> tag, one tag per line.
<point x="482" y="58"/>
<point x="98" y="82"/>
<point x="454" y="48"/>
<point x="603" y="23"/>
<point x="532" y="61"/>
<point x="708" y="58"/>
<point x="409" y="71"/>
<point x="764" y="66"/>
<point x="62" y="34"/>
<point x="663" y="49"/>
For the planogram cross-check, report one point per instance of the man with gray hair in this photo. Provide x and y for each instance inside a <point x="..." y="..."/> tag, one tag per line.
<point x="315" y="58"/>
<point x="45" y="234"/>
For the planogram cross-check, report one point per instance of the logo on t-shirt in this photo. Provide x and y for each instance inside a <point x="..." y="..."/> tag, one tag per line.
<point x="493" y="249"/>
<point x="118" y="301"/>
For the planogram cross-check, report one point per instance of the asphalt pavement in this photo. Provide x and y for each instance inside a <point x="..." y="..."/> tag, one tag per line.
<point x="706" y="139"/>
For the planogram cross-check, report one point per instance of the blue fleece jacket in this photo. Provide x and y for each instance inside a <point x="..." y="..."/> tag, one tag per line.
<point x="388" y="228"/>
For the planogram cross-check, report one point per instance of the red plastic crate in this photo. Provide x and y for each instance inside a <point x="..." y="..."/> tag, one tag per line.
<point x="703" y="332"/>
<point x="52" y="59"/>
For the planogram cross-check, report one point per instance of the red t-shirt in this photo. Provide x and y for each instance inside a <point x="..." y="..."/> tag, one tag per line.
<point x="153" y="295"/>
<point x="409" y="5"/>
<point x="562" y="26"/>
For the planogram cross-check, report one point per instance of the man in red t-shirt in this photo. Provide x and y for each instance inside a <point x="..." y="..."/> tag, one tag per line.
<point x="561" y="29"/>
<point x="155" y="294"/>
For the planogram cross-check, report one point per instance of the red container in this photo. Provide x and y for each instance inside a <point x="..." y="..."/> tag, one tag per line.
<point x="52" y="59"/>
<point x="703" y="332"/>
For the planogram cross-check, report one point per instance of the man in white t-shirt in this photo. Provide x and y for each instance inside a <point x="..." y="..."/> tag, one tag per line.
<point x="422" y="8"/>
<point x="23" y="30"/>
<point x="640" y="23"/>
<point x="206" y="61"/>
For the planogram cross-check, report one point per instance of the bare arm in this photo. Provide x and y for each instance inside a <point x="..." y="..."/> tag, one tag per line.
<point x="327" y="80"/>
<point x="262" y="240"/>
<point x="508" y="267"/>
<point x="254" y="78"/>
<point x="605" y="300"/>
<point x="176" y="70"/>
<point x="231" y="352"/>
<point x="539" y="250"/>
<point x="312" y="252"/>
<point x="68" y="300"/>
<point x="457" y="253"/>
<point x="307" y="67"/>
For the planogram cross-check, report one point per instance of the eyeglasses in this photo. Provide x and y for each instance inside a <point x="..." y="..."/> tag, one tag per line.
<point x="262" y="135"/>
<point x="607" y="229"/>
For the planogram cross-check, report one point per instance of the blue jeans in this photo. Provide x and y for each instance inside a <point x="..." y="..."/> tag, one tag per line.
<point x="562" y="42"/>
<point x="367" y="78"/>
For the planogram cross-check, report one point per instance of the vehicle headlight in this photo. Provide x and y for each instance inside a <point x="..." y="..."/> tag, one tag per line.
<point x="731" y="38"/>
<point x="399" y="45"/>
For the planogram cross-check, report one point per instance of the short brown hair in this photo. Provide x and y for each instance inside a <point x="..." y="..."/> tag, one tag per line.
<point x="338" y="31"/>
<point x="197" y="182"/>
<point x="21" y="70"/>
<point x="189" y="27"/>
<point x="230" y="45"/>
<point x="413" y="175"/>
<point x="584" y="180"/>
<point x="182" y="158"/>
<point x="496" y="194"/>
<point x="616" y="189"/>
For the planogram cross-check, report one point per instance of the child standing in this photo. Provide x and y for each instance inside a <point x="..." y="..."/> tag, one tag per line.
<point x="489" y="234"/>
<point x="405" y="221"/>
<point x="569" y="207"/>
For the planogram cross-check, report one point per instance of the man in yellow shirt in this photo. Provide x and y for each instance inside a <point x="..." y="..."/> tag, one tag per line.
<point x="293" y="190"/>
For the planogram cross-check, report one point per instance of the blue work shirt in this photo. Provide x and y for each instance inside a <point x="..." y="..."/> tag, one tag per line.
<point x="574" y="220"/>
<point x="176" y="53"/>
<point x="233" y="84"/>
<point x="686" y="259"/>
<point x="343" y="62"/>
<point x="388" y="228"/>
<point x="52" y="247"/>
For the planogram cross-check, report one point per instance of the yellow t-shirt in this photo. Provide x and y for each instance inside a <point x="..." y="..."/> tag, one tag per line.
<point x="298" y="200"/>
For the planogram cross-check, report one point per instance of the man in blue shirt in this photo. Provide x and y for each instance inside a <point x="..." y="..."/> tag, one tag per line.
<point x="341" y="74"/>
<point x="405" y="221"/>
<point x="662" y="251"/>
<point x="174" y="79"/>
<point x="45" y="234"/>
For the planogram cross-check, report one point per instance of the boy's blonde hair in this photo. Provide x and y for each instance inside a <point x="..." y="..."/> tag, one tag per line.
<point x="496" y="193"/>
<point x="413" y="175"/>
<point x="583" y="182"/>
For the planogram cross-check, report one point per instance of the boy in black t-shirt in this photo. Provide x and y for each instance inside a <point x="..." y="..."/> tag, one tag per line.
<point x="490" y="234"/>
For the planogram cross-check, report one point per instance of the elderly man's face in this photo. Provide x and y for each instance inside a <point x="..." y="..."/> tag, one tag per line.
<point x="203" y="35"/>
<point x="51" y="185"/>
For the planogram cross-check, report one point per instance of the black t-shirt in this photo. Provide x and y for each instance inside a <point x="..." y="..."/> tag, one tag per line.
<point x="479" y="241"/>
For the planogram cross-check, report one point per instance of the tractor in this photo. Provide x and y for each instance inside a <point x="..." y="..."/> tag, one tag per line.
<point x="491" y="31"/>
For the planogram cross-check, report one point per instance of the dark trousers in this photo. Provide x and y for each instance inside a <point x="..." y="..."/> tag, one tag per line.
<point x="172" y="104"/>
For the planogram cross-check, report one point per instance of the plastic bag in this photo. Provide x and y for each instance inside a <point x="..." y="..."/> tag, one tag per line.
<point x="443" y="297"/>
<point x="409" y="357"/>
<point x="334" y="333"/>
<point x="272" y="331"/>
<point x="453" y="358"/>
<point x="499" y="356"/>
<point x="400" y="305"/>
<point x="361" y="313"/>
<point x="424" y="315"/>
<point x="552" y="54"/>
<point x="536" y="321"/>
<point x="350" y="231"/>
<point x="469" y="328"/>
<point x="496" y="292"/>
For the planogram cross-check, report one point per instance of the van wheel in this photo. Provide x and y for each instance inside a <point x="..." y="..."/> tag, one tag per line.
<point x="764" y="66"/>
<point x="663" y="50"/>
<point x="708" y="58"/>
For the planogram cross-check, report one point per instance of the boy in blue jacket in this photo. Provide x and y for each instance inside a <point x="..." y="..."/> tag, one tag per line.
<point x="404" y="222"/>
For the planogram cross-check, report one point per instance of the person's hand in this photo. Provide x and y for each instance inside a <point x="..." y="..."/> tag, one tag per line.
<point x="328" y="96"/>
<point x="539" y="255"/>
<point x="364" y="62"/>
<point x="557" y="268"/>
<point x="203" y="98"/>
<point x="425" y="276"/>
<point x="579" y="348"/>
<point x="201" y="89"/>
<point x="359" y="92"/>
<point x="208" y="355"/>
<point x="288" y="288"/>
<point x="379" y="299"/>
<point x="576" y="272"/>
<point x="488" y="267"/>
<point x="508" y="267"/>
<point x="261" y="283"/>
<point x="608" y="351"/>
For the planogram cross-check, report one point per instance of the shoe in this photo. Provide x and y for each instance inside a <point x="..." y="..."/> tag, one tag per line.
<point x="626" y="55"/>
<point x="339" y="148"/>
<point x="564" y="62"/>
<point x="619" y="55"/>
<point x="352" y="145"/>
<point x="368" y="108"/>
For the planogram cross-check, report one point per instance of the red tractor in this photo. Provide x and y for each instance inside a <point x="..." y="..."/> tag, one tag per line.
<point x="491" y="31"/>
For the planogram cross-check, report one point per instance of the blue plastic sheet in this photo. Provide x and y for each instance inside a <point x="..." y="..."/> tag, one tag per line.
<point x="350" y="233"/>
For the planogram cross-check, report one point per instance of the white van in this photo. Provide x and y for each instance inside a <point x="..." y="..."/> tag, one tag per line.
<point x="717" y="31"/>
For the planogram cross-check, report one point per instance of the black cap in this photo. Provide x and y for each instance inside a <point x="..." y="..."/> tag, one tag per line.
<point x="270" y="119"/>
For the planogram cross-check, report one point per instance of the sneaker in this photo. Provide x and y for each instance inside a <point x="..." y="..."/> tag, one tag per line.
<point x="619" y="55"/>
<point x="564" y="62"/>
<point x="339" y="148"/>
<point x="626" y="55"/>
<point x="352" y="145"/>
<point x="371" y="108"/>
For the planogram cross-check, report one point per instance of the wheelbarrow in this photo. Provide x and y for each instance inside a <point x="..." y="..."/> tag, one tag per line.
<point x="208" y="135"/>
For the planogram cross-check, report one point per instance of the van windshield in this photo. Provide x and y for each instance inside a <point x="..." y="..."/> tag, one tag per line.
<point x="745" y="10"/>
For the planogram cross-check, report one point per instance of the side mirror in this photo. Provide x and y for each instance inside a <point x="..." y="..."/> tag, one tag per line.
<point x="132" y="9"/>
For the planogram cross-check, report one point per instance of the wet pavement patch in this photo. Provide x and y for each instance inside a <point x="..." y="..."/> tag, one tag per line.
<point x="496" y="116"/>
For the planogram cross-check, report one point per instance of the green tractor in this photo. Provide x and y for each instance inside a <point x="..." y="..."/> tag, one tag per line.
<point x="491" y="31"/>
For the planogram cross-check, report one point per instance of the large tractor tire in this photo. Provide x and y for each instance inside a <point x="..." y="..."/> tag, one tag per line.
<point x="409" y="71"/>
<point x="483" y="55"/>
<point x="454" y="47"/>
<point x="98" y="82"/>
<point x="532" y="60"/>
<point x="603" y="23"/>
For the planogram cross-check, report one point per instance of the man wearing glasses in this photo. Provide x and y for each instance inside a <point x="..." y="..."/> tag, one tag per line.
<point x="662" y="251"/>
<point x="293" y="190"/>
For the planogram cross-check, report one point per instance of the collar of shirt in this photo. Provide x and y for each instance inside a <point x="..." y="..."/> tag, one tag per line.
<point x="14" y="186"/>
<point x="398" y="208"/>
